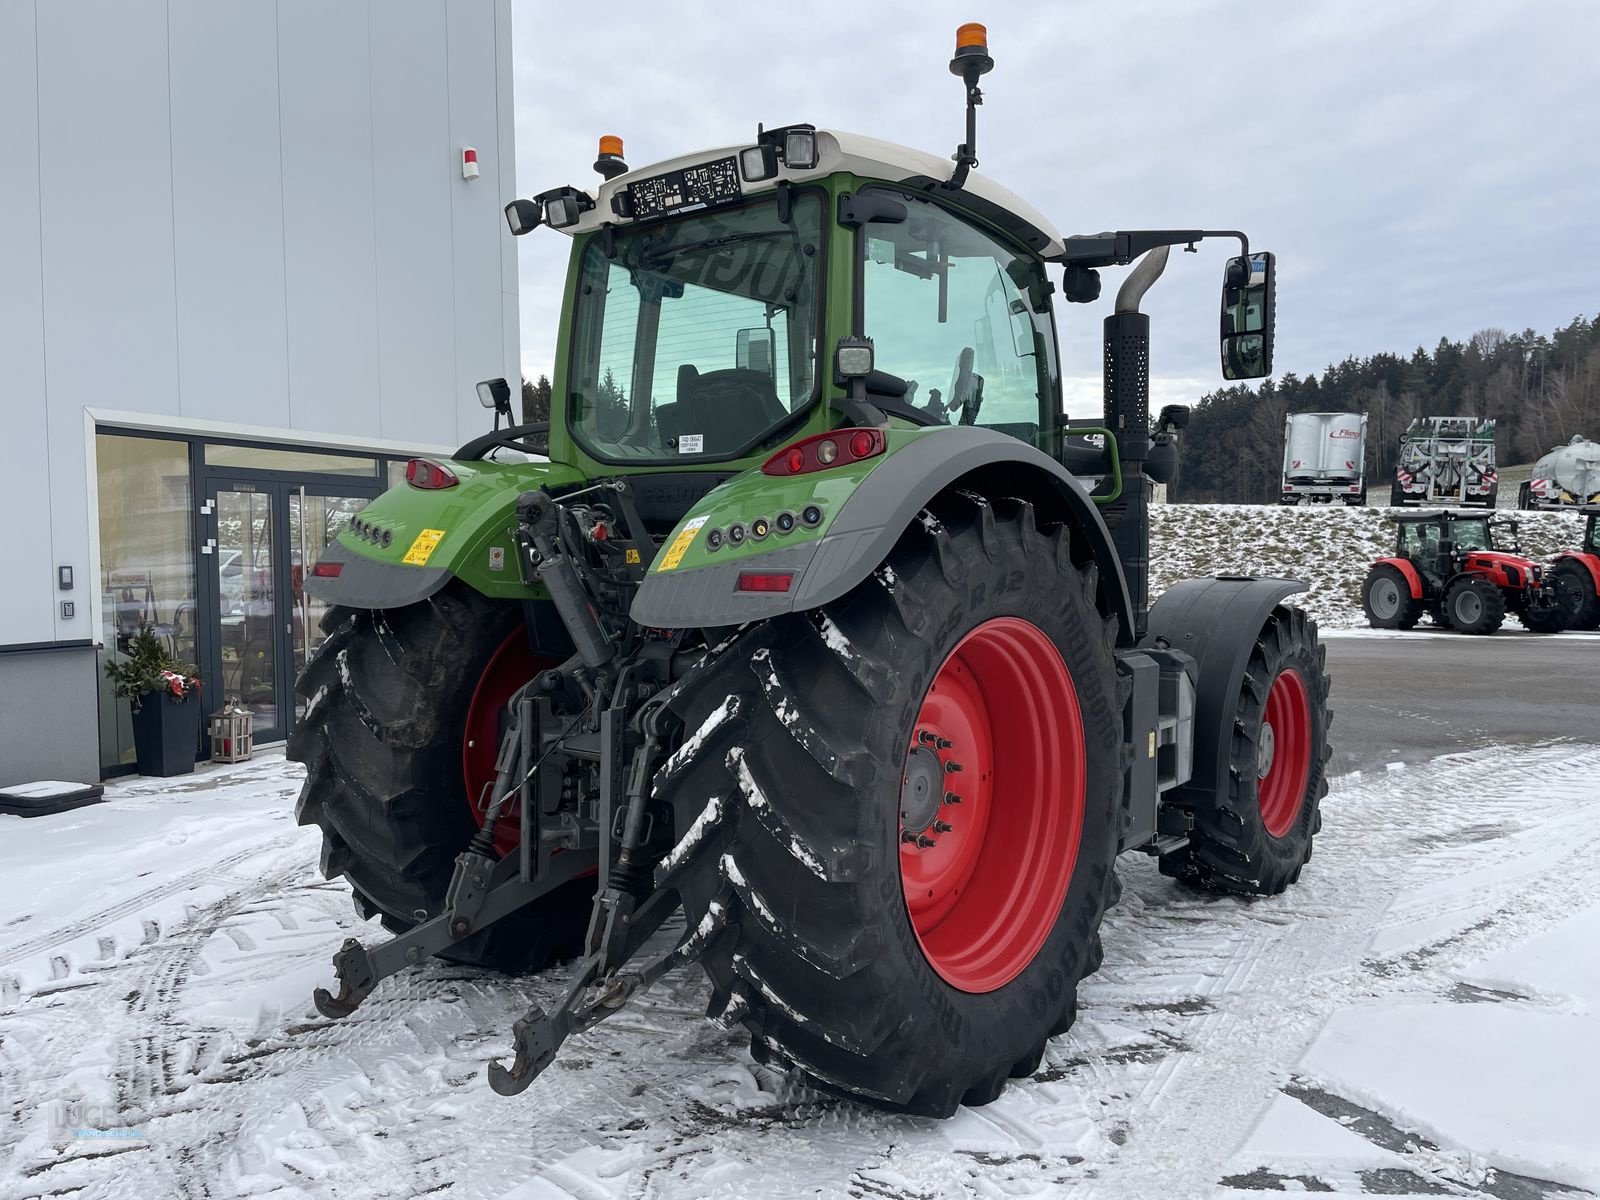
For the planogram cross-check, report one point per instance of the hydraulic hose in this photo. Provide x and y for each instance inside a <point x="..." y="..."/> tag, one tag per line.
<point x="536" y="514"/>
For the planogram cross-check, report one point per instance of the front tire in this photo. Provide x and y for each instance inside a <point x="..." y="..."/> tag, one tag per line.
<point x="896" y="945"/>
<point x="1576" y="595"/>
<point x="1387" y="600"/>
<point x="389" y="697"/>
<point x="1256" y="840"/>
<point x="1475" y="605"/>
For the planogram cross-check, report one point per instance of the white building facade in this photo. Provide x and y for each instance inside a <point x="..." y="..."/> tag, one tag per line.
<point x="242" y="278"/>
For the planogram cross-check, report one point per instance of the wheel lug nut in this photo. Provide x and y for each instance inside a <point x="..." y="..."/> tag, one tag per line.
<point x="927" y="738"/>
<point x="907" y="836"/>
<point x="952" y="768"/>
<point x="942" y="743"/>
<point x="951" y="798"/>
<point x="924" y="840"/>
<point x="942" y="827"/>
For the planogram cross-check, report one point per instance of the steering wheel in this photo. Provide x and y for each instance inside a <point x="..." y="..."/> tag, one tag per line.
<point x="962" y="386"/>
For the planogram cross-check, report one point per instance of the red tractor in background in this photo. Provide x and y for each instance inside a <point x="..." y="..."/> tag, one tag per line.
<point x="1447" y="564"/>
<point x="1575" y="576"/>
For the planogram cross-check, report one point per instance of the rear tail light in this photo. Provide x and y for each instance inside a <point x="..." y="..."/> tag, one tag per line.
<point x="428" y="475"/>
<point x="826" y="450"/>
<point x="750" y="581"/>
<point x="327" y="570"/>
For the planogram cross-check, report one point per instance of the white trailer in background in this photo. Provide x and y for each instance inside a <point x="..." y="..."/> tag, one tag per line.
<point x="1566" y="477"/>
<point x="1324" y="457"/>
<point x="1447" y="460"/>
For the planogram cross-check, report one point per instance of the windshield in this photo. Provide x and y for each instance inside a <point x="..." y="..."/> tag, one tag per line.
<point x="696" y="338"/>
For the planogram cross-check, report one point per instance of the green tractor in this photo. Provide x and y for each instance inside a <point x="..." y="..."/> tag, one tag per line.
<point x="808" y="642"/>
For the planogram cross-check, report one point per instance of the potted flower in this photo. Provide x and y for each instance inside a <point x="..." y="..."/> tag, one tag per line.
<point x="166" y="705"/>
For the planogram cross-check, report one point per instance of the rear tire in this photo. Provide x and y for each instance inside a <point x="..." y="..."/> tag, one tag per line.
<point x="387" y="696"/>
<point x="795" y="871"/>
<point x="1256" y="840"/>
<point x="1387" y="600"/>
<point x="1474" y="605"/>
<point x="1576" y="594"/>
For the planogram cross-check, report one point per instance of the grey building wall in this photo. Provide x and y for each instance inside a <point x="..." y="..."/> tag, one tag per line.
<point x="249" y="213"/>
<point x="46" y="695"/>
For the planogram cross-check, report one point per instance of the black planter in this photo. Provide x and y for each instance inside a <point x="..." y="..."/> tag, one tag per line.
<point x="166" y="734"/>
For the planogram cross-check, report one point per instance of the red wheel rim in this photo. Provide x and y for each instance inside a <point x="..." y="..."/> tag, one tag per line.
<point x="1283" y="752"/>
<point x="512" y="665"/>
<point x="985" y="876"/>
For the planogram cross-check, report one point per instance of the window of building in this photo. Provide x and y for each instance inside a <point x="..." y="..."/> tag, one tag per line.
<point x="146" y="561"/>
<point x="300" y="462"/>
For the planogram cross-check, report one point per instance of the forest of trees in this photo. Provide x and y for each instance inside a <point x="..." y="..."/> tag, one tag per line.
<point x="536" y="400"/>
<point x="1541" y="390"/>
<point x="612" y="401"/>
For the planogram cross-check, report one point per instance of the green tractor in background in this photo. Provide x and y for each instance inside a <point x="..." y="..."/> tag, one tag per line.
<point x="809" y="615"/>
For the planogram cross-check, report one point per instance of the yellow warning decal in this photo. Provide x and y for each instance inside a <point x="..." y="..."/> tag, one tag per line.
<point x="1152" y="753"/>
<point x="680" y="545"/>
<point x="631" y="556"/>
<point x="422" y="548"/>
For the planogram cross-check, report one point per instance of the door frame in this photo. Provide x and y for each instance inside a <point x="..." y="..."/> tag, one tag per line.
<point x="279" y="487"/>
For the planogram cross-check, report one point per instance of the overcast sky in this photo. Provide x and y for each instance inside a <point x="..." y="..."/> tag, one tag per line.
<point x="1420" y="169"/>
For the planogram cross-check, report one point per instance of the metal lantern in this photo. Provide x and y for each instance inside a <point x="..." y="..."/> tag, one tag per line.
<point x="232" y="733"/>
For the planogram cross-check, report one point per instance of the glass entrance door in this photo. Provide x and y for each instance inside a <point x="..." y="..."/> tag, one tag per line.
<point x="262" y="539"/>
<point x="245" y="550"/>
<point x="315" y="520"/>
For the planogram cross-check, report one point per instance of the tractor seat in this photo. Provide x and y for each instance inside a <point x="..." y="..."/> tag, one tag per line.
<point x="727" y="408"/>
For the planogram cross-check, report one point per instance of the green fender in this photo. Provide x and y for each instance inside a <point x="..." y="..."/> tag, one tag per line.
<point x="866" y="507"/>
<point x="422" y="539"/>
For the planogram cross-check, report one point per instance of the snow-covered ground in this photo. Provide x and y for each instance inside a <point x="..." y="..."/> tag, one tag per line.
<point x="1330" y="548"/>
<point x="1421" y="1015"/>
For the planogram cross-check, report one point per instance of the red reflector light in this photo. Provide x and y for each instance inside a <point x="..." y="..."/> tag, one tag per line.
<point x="806" y="455"/>
<point x="327" y="570"/>
<point x="753" y="582"/>
<point x="428" y="475"/>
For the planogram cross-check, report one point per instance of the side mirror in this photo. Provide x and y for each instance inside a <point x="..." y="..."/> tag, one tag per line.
<point x="1249" y="302"/>
<point x="753" y="351"/>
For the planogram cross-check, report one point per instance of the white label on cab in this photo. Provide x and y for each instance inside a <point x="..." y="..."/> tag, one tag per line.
<point x="691" y="443"/>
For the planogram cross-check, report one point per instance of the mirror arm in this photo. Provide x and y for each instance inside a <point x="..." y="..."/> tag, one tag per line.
<point x="1121" y="248"/>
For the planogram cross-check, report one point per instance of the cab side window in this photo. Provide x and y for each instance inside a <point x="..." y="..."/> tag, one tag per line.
<point x="962" y="317"/>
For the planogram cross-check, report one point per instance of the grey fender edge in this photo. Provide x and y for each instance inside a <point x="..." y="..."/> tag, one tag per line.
<point x="1216" y="621"/>
<point x="364" y="583"/>
<point x="865" y="530"/>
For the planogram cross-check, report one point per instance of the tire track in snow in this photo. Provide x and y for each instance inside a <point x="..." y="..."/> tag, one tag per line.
<point x="1243" y="1045"/>
<point x="213" y="872"/>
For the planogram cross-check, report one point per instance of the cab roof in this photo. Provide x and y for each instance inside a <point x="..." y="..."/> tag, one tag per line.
<point x="1448" y="515"/>
<point x="869" y="158"/>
